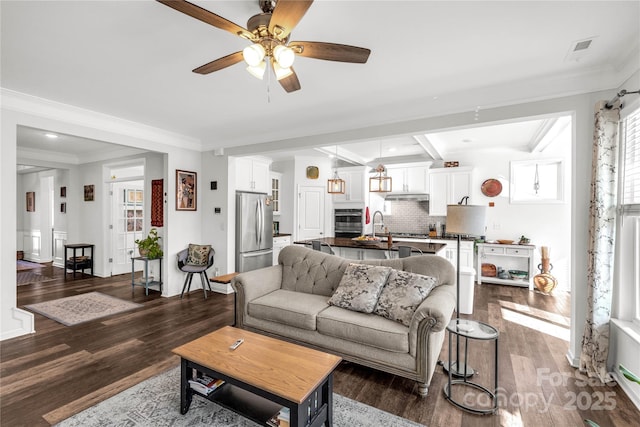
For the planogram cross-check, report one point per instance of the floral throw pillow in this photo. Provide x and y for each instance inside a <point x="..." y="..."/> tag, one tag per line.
<point x="360" y="287"/>
<point x="198" y="254"/>
<point x="402" y="295"/>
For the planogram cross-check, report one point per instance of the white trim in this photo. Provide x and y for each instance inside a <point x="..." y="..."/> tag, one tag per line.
<point x="41" y="107"/>
<point x="26" y="323"/>
<point x="572" y="359"/>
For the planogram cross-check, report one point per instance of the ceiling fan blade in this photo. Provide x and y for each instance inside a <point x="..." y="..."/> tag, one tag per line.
<point x="206" y="16"/>
<point x="332" y="51"/>
<point x="220" y="63"/>
<point x="286" y="16"/>
<point x="290" y="83"/>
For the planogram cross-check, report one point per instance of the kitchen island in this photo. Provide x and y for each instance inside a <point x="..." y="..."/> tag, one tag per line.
<point x="348" y="248"/>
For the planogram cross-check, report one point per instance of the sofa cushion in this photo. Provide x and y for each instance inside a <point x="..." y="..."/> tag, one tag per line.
<point x="198" y="254"/>
<point x="360" y="287"/>
<point x="367" y="329"/>
<point x="296" y="309"/>
<point x="402" y="295"/>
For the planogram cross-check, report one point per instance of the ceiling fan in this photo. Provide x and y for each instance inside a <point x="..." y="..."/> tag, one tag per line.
<point x="269" y="34"/>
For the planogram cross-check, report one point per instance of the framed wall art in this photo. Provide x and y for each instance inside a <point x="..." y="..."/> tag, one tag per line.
<point x="31" y="201"/>
<point x="63" y="191"/>
<point x="63" y="208"/>
<point x="88" y="193"/>
<point x="186" y="190"/>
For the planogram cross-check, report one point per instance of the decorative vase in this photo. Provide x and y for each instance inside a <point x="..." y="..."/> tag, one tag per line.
<point x="544" y="281"/>
<point x="143" y="252"/>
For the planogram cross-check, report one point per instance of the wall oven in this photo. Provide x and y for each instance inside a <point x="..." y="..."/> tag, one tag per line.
<point x="348" y="222"/>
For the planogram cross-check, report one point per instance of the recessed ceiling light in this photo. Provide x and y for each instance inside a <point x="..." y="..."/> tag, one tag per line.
<point x="392" y="149"/>
<point x="51" y="135"/>
<point x="467" y="140"/>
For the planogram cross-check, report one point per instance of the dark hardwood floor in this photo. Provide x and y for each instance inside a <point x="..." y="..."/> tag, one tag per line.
<point x="58" y="371"/>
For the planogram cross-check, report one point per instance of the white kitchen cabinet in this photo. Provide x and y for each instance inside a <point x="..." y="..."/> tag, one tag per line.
<point x="355" y="185"/>
<point x="276" y="192"/>
<point x="413" y="178"/>
<point x="279" y="243"/>
<point x="252" y="175"/>
<point x="447" y="186"/>
<point x="509" y="257"/>
<point x="450" y="252"/>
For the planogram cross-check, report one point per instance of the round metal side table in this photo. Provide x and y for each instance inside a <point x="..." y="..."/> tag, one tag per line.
<point x="472" y="330"/>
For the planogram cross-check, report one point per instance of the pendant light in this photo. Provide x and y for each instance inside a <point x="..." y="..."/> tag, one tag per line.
<point x="536" y="181"/>
<point x="336" y="185"/>
<point x="381" y="183"/>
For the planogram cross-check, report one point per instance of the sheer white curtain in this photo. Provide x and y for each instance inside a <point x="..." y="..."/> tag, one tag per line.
<point x="602" y="212"/>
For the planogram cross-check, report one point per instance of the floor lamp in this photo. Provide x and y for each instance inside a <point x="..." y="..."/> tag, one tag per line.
<point x="469" y="220"/>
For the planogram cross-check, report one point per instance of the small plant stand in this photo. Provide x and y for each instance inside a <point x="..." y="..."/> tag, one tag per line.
<point x="145" y="280"/>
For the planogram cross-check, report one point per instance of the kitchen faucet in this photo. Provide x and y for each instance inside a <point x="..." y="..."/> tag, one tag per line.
<point x="373" y="220"/>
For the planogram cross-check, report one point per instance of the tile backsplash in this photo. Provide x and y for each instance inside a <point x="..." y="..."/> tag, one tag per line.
<point x="411" y="216"/>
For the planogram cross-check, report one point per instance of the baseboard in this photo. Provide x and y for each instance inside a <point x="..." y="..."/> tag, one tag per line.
<point x="23" y="323"/>
<point x="222" y="288"/>
<point x="573" y="361"/>
<point x="626" y="386"/>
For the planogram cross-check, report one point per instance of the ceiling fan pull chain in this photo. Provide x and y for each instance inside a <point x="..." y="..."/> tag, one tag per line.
<point x="268" y="86"/>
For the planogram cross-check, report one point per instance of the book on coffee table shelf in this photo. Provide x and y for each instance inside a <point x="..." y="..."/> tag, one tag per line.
<point x="205" y="384"/>
<point x="281" y="419"/>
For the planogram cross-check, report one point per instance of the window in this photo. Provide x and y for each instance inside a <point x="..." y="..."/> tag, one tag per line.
<point x="629" y="224"/>
<point x="537" y="181"/>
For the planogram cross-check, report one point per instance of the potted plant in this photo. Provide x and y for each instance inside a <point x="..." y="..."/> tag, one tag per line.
<point x="150" y="246"/>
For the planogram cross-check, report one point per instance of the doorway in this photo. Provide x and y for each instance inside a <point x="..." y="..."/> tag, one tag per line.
<point x="128" y="214"/>
<point x="310" y="212"/>
<point x="127" y="224"/>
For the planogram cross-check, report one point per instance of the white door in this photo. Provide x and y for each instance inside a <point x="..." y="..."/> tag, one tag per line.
<point x="310" y="212"/>
<point x="127" y="223"/>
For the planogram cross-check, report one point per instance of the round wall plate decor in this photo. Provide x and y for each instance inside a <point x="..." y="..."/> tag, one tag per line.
<point x="312" y="172"/>
<point x="491" y="187"/>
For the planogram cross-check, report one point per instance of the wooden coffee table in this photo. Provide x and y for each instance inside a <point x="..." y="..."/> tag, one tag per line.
<point x="261" y="376"/>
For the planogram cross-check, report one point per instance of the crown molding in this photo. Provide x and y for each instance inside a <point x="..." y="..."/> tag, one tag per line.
<point x="53" y="110"/>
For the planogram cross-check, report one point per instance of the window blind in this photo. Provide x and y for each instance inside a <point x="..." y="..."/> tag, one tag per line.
<point x="631" y="164"/>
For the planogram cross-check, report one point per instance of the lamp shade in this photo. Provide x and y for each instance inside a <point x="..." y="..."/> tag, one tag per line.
<point x="466" y="219"/>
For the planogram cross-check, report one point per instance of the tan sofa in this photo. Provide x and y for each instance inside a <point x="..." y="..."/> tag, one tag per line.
<point x="290" y="301"/>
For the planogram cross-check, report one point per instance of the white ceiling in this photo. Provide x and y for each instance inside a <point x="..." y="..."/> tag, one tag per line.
<point x="133" y="60"/>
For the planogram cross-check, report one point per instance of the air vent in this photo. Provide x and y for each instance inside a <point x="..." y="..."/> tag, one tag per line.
<point x="582" y="45"/>
<point x="579" y="49"/>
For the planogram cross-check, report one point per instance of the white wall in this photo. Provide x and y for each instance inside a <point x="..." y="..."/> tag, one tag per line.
<point x="216" y="226"/>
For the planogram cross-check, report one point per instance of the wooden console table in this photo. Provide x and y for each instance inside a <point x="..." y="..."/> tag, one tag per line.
<point x="76" y="263"/>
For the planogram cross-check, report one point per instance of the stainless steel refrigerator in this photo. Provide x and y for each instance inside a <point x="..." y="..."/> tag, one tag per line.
<point x="254" y="231"/>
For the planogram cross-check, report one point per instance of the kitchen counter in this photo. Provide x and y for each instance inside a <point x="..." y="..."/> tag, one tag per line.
<point x="346" y="242"/>
<point x="281" y="235"/>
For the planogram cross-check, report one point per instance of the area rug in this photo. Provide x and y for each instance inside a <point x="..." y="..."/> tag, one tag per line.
<point x="156" y="402"/>
<point x="28" y="277"/>
<point x="82" y="308"/>
<point x="22" y="265"/>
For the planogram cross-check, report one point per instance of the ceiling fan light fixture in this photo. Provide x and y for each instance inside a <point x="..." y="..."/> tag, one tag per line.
<point x="253" y="54"/>
<point x="281" y="72"/>
<point x="284" y="56"/>
<point x="257" y="71"/>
